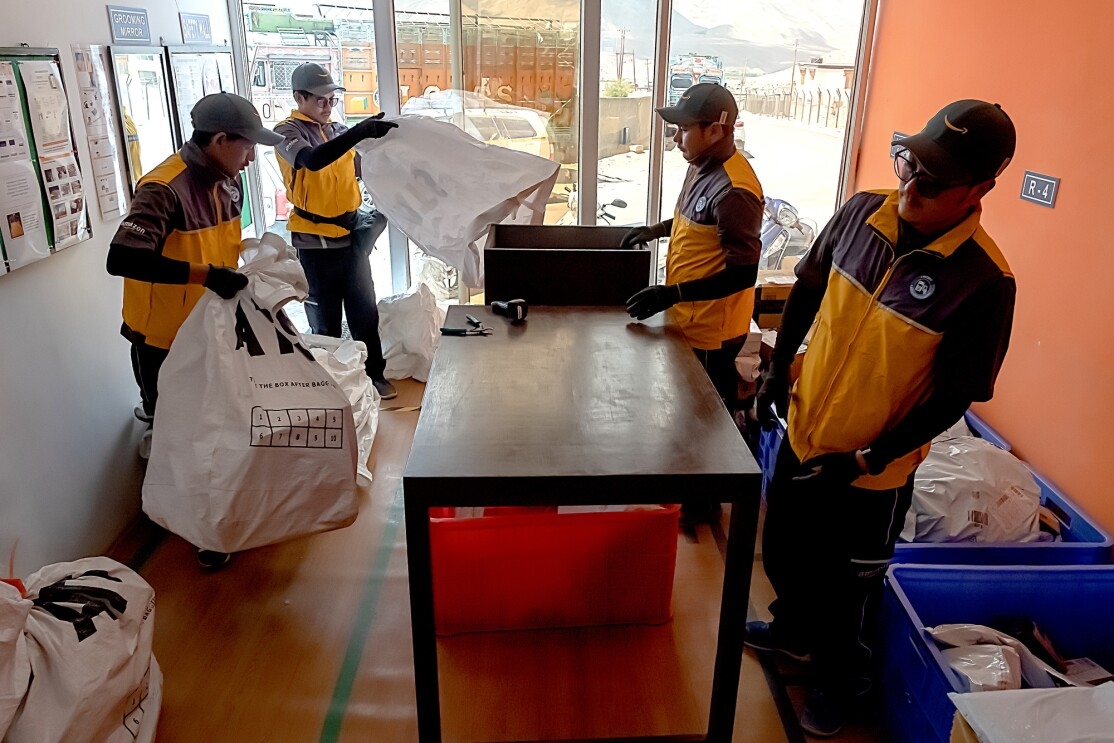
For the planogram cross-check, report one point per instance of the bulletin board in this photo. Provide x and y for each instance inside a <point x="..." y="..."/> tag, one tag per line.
<point x="43" y="204"/>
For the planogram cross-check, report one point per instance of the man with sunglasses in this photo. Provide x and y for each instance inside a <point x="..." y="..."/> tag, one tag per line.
<point x="332" y="234"/>
<point x="914" y="304"/>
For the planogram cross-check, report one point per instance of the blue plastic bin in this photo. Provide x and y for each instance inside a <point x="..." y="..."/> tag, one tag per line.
<point x="1083" y="542"/>
<point x="1073" y="605"/>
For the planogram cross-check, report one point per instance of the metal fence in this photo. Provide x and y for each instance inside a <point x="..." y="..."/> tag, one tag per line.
<point x="815" y="106"/>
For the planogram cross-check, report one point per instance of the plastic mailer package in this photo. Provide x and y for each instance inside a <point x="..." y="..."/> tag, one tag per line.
<point x="1076" y="715"/>
<point x="444" y="188"/>
<point x="253" y="442"/>
<point x="987" y="659"/>
<point x="969" y="490"/>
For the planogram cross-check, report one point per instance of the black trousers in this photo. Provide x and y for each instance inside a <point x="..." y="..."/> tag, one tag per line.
<point x="825" y="553"/>
<point x="146" y="363"/>
<point x="340" y="279"/>
<point x="720" y="365"/>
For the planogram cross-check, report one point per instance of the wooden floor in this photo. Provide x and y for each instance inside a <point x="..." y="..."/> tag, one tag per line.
<point x="309" y="640"/>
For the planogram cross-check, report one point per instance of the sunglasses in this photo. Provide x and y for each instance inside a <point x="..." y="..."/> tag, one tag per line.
<point x="927" y="186"/>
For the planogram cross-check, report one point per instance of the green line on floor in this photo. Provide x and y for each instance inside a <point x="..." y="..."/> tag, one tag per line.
<point x="334" y="718"/>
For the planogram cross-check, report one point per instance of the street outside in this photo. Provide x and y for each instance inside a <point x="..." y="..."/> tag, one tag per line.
<point x="793" y="161"/>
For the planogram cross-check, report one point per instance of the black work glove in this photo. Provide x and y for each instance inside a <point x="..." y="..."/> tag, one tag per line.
<point x="640" y="236"/>
<point x="835" y="470"/>
<point x="774" y="390"/>
<point x="374" y="127"/>
<point x="225" y="282"/>
<point x="652" y="300"/>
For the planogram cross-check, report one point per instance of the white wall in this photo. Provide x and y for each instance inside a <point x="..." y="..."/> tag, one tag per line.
<point x="69" y="475"/>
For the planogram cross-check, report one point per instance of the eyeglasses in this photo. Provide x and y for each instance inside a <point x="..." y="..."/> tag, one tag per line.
<point x="927" y="186"/>
<point x="323" y="101"/>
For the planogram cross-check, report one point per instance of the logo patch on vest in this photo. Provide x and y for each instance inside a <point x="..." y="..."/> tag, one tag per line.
<point x="233" y="192"/>
<point x="922" y="287"/>
<point x="701" y="203"/>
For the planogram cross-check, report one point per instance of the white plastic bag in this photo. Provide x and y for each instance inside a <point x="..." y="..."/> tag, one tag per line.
<point x="15" y="666"/>
<point x="1034" y="671"/>
<point x="253" y="440"/>
<point x="344" y="360"/>
<point x="985" y="667"/>
<point x="1077" y="715"/>
<point x="969" y="490"/>
<point x="89" y="641"/>
<point x="444" y="188"/>
<point x="409" y="327"/>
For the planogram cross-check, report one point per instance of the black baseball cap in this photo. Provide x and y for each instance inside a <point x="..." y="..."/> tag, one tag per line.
<point x="313" y="78"/>
<point x="232" y="114"/>
<point x="703" y="102"/>
<point x="965" y="140"/>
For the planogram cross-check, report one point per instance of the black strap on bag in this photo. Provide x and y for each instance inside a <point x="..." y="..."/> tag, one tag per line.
<point x="346" y="221"/>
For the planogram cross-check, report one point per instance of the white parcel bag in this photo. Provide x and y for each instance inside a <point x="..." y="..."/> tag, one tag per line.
<point x="94" y="679"/>
<point x="445" y="189"/>
<point x="344" y="360"/>
<point x="410" y="329"/>
<point x="253" y="440"/>
<point x="15" y="667"/>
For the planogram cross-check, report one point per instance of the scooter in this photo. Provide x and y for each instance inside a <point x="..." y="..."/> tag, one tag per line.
<point x="785" y="234"/>
<point x="602" y="215"/>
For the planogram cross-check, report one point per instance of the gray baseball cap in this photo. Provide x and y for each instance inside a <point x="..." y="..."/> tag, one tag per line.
<point x="232" y="114"/>
<point x="703" y="102"/>
<point x="313" y="78"/>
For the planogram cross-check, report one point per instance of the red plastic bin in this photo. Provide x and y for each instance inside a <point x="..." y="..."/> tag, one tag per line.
<point x="533" y="568"/>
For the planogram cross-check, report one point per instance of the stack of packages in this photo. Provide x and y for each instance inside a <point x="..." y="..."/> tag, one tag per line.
<point x="75" y="656"/>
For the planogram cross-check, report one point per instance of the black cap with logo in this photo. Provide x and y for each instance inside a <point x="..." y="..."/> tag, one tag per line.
<point x="313" y="78"/>
<point x="232" y="114"/>
<point x="703" y="102"/>
<point x="966" y="140"/>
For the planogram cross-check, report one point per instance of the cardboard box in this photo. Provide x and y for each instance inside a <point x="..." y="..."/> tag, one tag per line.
<point x="770" y="292"/>
<point x="563" y="265"/>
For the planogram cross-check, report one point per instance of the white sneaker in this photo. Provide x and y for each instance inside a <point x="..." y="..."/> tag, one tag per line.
<point x="145" y="445"/>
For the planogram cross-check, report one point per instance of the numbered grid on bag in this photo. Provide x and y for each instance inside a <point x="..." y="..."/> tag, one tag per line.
<point x="312" y="428"/>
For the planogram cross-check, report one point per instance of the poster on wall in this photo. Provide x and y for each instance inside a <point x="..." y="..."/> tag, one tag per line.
<point x="100" y="127"/>
<point x="23" y="237"/>
<point x="197" y="74"/>
<point x="50" y="124"/>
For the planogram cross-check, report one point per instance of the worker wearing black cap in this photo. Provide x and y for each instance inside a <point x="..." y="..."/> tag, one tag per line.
<point x="182" y="236"/>
<point x="914" y="305"/>
<point x="332" y="234"/>
<point x="714" y="246"/>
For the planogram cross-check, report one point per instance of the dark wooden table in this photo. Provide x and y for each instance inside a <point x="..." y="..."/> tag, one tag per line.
<point x="576" y="406"/>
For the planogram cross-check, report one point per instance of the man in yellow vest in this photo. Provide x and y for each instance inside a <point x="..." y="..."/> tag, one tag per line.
<point x="332" y="234"/>
<point x="182" y="236"/>
<point x="714" y="245"/>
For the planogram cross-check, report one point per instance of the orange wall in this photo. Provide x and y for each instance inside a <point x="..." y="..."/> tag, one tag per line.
<point x="1048" y="65"/>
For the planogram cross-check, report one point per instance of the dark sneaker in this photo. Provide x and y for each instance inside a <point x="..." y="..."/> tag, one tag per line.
<point x="212" y="560"/>
<point x="694" y="514"/>
<point x="825" y="714"/>
<point x="385" y="389"/>
<point x="141" y="414"/>
<point x="764" y="636"/>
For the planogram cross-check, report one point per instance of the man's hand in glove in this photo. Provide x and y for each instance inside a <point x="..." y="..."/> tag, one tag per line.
<point x="224" y="281"/>
<point x="835" y="470"/>
<point x="652" y="300"/>
<point x="374" y="127"/>
<point x="639" y="236"/>
<point x="774" y="391"/>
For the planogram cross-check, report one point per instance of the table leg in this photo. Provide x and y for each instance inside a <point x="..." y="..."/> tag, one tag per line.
<point x="420" y="564"/>
<point x="732" y="619"/>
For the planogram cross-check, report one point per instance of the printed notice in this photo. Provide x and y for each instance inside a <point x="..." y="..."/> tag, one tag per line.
<point x="23" y="237"/>
<point x="100" y="127"/>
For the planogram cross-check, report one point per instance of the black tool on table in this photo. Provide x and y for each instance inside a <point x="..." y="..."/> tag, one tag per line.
<point x="515" y="309"/>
